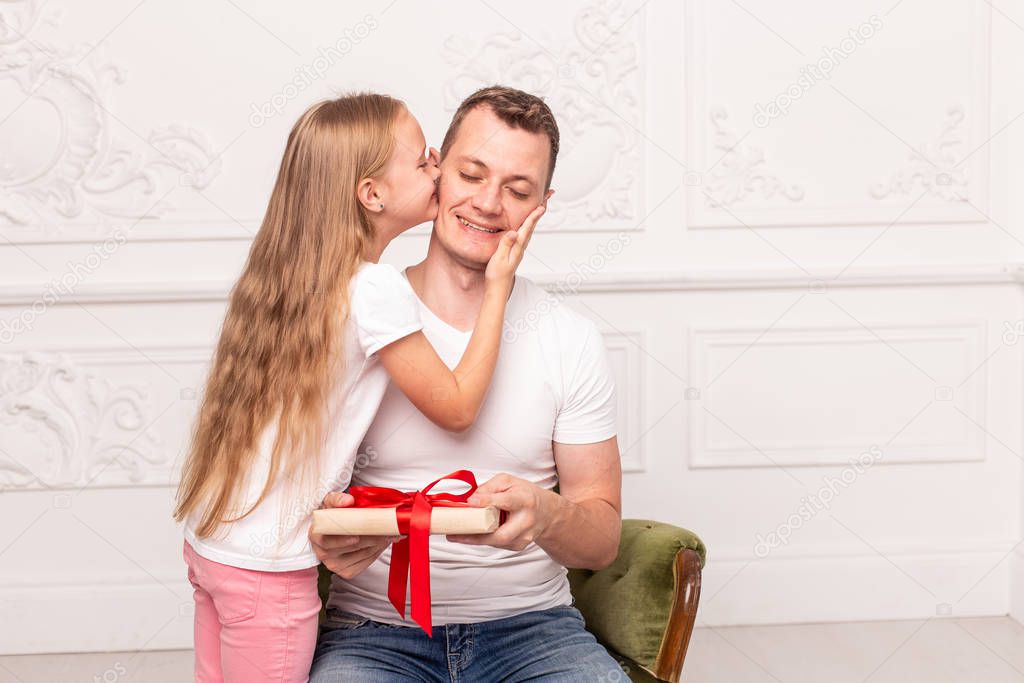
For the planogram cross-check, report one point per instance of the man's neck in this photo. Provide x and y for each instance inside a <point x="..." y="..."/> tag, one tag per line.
<point x="451" y="290"/>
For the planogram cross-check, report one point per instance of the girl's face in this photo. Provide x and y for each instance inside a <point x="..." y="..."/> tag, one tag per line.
<point x="409" y="181"/>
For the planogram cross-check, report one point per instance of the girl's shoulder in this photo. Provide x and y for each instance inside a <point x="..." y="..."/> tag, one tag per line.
<point x="382" y="307"/>
<point x="379" y="289"/>
<point x="376" y="272"/>
<point x="375" y="280"/>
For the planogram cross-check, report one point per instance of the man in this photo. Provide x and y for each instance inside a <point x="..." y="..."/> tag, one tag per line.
<point x="501" y="603"/>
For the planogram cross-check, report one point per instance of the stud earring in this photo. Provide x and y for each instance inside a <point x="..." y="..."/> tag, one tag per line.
<point x="381" y="207"/>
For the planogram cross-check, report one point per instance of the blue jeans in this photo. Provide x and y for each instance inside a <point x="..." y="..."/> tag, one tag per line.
<point x="547" y="645"/>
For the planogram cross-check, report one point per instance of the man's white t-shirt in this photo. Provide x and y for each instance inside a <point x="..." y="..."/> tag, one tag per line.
<point x="552" y="383"/>
<point x="274" y="537"/>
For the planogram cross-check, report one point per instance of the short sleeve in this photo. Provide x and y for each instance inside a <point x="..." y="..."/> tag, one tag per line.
<point x="383" y="308"/>
<point x="587" y="414"/>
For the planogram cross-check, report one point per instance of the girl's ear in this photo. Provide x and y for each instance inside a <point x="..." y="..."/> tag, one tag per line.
<point x="366" y="193"/>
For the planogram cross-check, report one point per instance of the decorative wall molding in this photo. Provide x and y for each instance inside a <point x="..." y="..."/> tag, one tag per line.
<point x="594" y="85"/>
<point x="935" y="167"/>
<point x="66" y="424"/>
<point x="741" y="170"/>
<point x="82" y="424"/>
<point x="631" y="387"/>
<point x="754" y="278"/>
<point x="955" y="193"/>
<point x="65" y="388"/>
<point x="91" y="173"/>
<point x="739" y="445"/>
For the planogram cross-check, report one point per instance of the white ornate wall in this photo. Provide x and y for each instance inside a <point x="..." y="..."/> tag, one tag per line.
<point x="809" y="282"/>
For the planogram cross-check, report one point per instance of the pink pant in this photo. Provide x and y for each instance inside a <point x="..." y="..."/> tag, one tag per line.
<point x="252" y="625"/>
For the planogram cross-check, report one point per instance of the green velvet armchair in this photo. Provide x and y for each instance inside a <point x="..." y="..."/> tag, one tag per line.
<point x="643" y="607"/>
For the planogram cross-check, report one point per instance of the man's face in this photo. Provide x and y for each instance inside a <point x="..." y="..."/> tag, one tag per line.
<point x="492" y="177"/>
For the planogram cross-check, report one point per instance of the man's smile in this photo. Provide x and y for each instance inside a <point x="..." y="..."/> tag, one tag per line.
<point x="478" y="227"/>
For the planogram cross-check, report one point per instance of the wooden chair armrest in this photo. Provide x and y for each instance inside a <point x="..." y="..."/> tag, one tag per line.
<point x="683" y="615"/>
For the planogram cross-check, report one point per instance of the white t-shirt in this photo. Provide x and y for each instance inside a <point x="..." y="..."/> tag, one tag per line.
<point x="274" y="537"/>
<point x="552" y="383"/>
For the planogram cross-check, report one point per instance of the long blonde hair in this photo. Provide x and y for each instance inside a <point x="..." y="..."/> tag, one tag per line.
<point x="282" y="334"/>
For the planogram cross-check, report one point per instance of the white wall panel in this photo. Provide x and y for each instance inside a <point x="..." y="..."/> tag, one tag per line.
<point x="778" y="295"/>
<point x="816" y="396"/>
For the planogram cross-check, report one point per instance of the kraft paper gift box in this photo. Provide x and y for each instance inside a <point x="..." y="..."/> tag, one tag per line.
<point x="384" y="521"/>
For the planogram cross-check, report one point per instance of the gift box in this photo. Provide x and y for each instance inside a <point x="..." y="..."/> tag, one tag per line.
<point x="380" y="511"/>
<point x="384" y="521"/>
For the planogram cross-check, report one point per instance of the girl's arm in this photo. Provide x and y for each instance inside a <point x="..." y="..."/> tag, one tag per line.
<point x="452" y="398"/>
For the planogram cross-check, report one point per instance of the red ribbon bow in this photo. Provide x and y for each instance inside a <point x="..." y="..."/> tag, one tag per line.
<point x="412" y="553"/>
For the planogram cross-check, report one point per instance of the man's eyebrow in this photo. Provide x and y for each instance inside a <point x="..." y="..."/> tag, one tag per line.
<point x="473" y="160"/>
<point x="478" y="162"/>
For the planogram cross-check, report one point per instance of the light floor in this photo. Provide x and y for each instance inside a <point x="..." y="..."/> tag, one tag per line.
<point x="983" y="650"/>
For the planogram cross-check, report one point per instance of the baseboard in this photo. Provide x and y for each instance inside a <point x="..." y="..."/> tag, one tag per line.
<point x="856" y="588"/>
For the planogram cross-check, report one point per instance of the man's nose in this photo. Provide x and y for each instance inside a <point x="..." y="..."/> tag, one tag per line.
<point x="487" y="199"/>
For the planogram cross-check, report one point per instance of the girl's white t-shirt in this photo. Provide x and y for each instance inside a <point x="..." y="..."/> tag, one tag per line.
<point x="275" y="536"/>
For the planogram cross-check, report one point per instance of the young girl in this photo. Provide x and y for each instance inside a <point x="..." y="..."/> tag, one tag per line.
<point x="314" y="330"/>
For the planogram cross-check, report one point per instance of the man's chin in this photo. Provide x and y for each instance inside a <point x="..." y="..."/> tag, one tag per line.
<point x="477" y="257"/>
<point x="474" y="256"/>
<point x="470" y="252"/>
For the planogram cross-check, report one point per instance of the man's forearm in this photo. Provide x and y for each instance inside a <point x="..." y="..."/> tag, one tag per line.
<point x="582" y="535"/>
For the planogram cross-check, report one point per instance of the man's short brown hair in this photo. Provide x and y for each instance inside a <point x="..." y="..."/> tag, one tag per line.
<point x="516" y="108"/>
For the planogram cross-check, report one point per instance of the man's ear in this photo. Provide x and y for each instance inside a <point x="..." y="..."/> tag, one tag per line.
<point x="547" y="196"/>
<point x="366" y="193"/>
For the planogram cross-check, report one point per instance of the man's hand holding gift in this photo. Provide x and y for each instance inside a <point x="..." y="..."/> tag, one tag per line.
<point x="528" y="510"/>
<point x="348" y="556"/>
